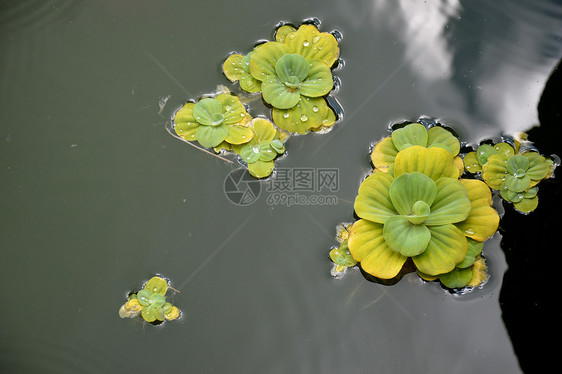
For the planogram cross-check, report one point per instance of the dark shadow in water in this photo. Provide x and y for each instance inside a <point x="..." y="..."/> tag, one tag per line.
<point x="531" y="243"/>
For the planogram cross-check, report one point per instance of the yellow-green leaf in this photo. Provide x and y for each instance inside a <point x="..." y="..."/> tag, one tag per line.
<point x="483" y="220"/>
<point x="433" y="162"/>
<point x="307" y="41"/>
<point x="367" y="245"/>
<point x="239" y="134"/>
<point x="309" y="113"/>
<point x="471" y="163"/>
<point x="438" y="136"/>
<point x="373" y="200"/>
<point x="446" y="248"/>
<point x="383" y="155"/>
<point x="232" y="67"/>
<point x="261" y="169"/>
<point x="264" y="59"/>
<point x="412" y="134"/>
<point x="494" y="171"/>
<point x="282" y="32"/>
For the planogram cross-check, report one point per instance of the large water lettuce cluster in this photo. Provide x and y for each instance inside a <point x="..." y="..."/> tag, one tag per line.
<point x="293" y="74"/>
<point x="417" y="209"/>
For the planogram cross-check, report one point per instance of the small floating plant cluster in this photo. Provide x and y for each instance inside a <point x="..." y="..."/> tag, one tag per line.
<point x="426" y="208"/>
<point x="512" y="169"/>
<point x="293" y="75"/>
<point x="150" y="303"/>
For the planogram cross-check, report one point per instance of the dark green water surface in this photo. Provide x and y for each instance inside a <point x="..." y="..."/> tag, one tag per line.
<point x="96" y="196"/>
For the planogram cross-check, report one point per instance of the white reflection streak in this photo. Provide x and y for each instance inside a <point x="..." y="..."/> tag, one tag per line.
<point x="399" y="305"/>
<point x="422" y="39"/>
<point x="165" y="71"/>
<point x="216" y="251"/>
<point x="322" y="228"/>
<point x="424" y="26"/>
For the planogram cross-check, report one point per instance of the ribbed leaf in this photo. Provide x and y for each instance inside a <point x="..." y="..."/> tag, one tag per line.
<point x="538" y="167"/>
<point x="446" y="248"/>
<point x="157" y="285"/>
<point x="313" y="44"/>
<point x="276" y="93"/>
<point x="407" y="189"/>
<point x="367" y="245"/>
<point x="401" y="236"/>
<point x="319" y="80"/>
<point x="451" y="203"/>
<point x="412" y="134"/>
<point x="206" y="110"/>
<point x="233" y="110"/>
<point x="211" y="136"/>
<point x="264" y="58"/>
<point x="383" y="155"/>
<point x="433" y="162"/>
<point x="373" y="200"/>
<point x="239" y="134"/>
<point x="483" y="220"/>
<point x="292" y="65"/>
<point x="438" y="136"/>
<point x="261" y="169"/>
<point x="494" y="171"/>
<point x="309" y="113"/>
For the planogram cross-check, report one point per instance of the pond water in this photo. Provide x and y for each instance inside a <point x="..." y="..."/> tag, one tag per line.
<point x="96" y="196"/>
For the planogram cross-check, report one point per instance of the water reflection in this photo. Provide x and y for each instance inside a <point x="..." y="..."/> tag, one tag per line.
<point x="495" y="78"/>
<point x="31" y="16"/>
<point x="529" y="306"/>
<point x="131" y="200"/>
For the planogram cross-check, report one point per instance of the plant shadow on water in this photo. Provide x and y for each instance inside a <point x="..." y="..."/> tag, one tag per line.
<point x="530" y="242"/>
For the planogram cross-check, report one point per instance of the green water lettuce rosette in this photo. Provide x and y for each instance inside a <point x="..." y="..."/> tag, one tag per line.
<point x="421" y="211"/>
<point x="266" y="145"/>
<point x="515" y="175"/>
<point x="295" y="75"/>
<point x="214" y="120"/>
<point x="385" y="151"/>
<point x="150" y="303"/>
<point x="341" y="256"/>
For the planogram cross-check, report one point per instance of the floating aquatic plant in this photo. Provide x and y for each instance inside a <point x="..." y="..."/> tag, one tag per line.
<point x="266" y="145"/>
<point x="423" y="212"/>
<point x="293" y="74"/>
<point x="514" y="175"/>
<point x="150" y="303"/>
<point x="341" y="256"/>
<point x="211" y="122"/>
<point x="214" y="120"/>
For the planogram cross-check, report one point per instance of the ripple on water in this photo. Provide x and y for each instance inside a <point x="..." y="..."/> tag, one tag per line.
<point x="46" y="356"/>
